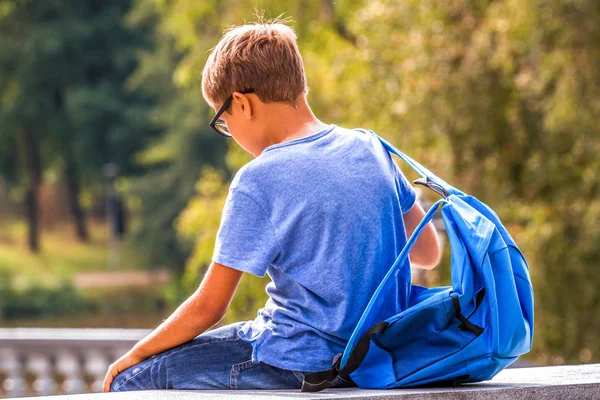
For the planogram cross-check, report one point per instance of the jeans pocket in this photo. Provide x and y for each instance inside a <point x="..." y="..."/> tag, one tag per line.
<point x="258" y="375"/>
<point x="235" y="371"/>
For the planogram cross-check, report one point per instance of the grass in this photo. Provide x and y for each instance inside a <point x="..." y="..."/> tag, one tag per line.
<point x="62" y="254"/>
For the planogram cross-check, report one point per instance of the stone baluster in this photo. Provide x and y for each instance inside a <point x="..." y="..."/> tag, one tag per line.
<point x="96" y="365"/>
<point x="68" y="364"/>
<point x="10" y="364"/>
<point x="51" y="354"/>
<point x="40" y="365"/>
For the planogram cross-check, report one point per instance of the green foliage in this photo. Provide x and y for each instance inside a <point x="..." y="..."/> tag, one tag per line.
<point x="37" y="300"/>
<point x="185" y="145"/>
<point x="65" y="64"/>
<point x="125" y="300"/>
<point x="64" y="105"/>
<point x="200" y="223"/>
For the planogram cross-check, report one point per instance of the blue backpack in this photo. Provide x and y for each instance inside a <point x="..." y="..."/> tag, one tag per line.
<point x="467" y="332"/>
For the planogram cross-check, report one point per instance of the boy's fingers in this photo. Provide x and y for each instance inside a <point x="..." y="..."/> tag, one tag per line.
<point x="116" y="368"/>
<point x="108" y="379"/>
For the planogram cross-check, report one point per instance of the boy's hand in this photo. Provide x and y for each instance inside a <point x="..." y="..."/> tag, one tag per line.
<point x="129" y="359"/>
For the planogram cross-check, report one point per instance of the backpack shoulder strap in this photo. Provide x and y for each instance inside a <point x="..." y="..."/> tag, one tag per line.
<point x="428" y="178"/>
<point x="366" y="320"/>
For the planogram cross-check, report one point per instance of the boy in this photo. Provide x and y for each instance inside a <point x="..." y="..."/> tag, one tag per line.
<point x="322" y="209"/>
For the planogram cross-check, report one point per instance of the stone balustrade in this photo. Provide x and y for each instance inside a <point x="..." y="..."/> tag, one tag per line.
<point x="44" y="361"/>
<point x="40" y="362"/>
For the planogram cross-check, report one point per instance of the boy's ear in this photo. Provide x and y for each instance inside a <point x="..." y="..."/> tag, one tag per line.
<point x="243" y="101"/>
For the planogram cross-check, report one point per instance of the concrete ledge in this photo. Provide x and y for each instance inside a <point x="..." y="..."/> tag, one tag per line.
<point x="562" y="382"/>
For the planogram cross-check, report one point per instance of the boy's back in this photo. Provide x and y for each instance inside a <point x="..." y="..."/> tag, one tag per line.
<point x="322" y="215"/>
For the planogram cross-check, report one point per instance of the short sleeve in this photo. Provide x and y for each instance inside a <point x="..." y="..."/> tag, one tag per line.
<point x="246" y="239"/>
<point x="408" y="195"/>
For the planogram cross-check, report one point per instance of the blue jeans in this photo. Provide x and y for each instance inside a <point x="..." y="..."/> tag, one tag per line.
<point x="217" y="359"/>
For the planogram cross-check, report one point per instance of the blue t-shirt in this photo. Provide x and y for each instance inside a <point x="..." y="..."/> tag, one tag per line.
<point x="322" y="216"/>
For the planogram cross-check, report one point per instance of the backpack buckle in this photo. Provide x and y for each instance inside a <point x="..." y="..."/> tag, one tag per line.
<point x="436" y="187"/>
<point x="337" y="359"/>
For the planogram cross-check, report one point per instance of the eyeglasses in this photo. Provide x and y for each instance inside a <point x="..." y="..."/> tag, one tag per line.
<point x="217" y="123"/>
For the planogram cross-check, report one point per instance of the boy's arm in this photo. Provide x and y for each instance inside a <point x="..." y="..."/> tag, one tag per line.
<point x="202" y="310"/>
<point x="426" y="252"/>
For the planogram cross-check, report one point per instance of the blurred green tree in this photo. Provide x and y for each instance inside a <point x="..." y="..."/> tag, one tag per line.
<point x="65" y="104"/>
<point x="174" y="159"/>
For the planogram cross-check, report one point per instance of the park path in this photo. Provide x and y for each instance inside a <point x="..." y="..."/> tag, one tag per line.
<point x="121" y="278"/>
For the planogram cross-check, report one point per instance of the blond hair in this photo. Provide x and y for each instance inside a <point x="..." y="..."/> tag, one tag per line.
<point x="263" y="56"/>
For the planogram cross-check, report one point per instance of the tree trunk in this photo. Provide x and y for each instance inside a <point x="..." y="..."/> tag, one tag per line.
<point x="71" y="173"/>
<point x="33" y="165"/>
<point x="73" y="191"/>
<point x="31" y="207"/>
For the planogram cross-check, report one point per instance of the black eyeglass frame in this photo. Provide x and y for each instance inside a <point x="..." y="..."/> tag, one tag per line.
<point x="224" y="107"/>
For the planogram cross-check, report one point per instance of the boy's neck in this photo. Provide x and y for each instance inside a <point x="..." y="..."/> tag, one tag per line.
<point x="286" y="122"/>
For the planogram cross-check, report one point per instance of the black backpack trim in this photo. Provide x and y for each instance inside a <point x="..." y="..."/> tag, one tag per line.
<point x="318" y="381"/>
